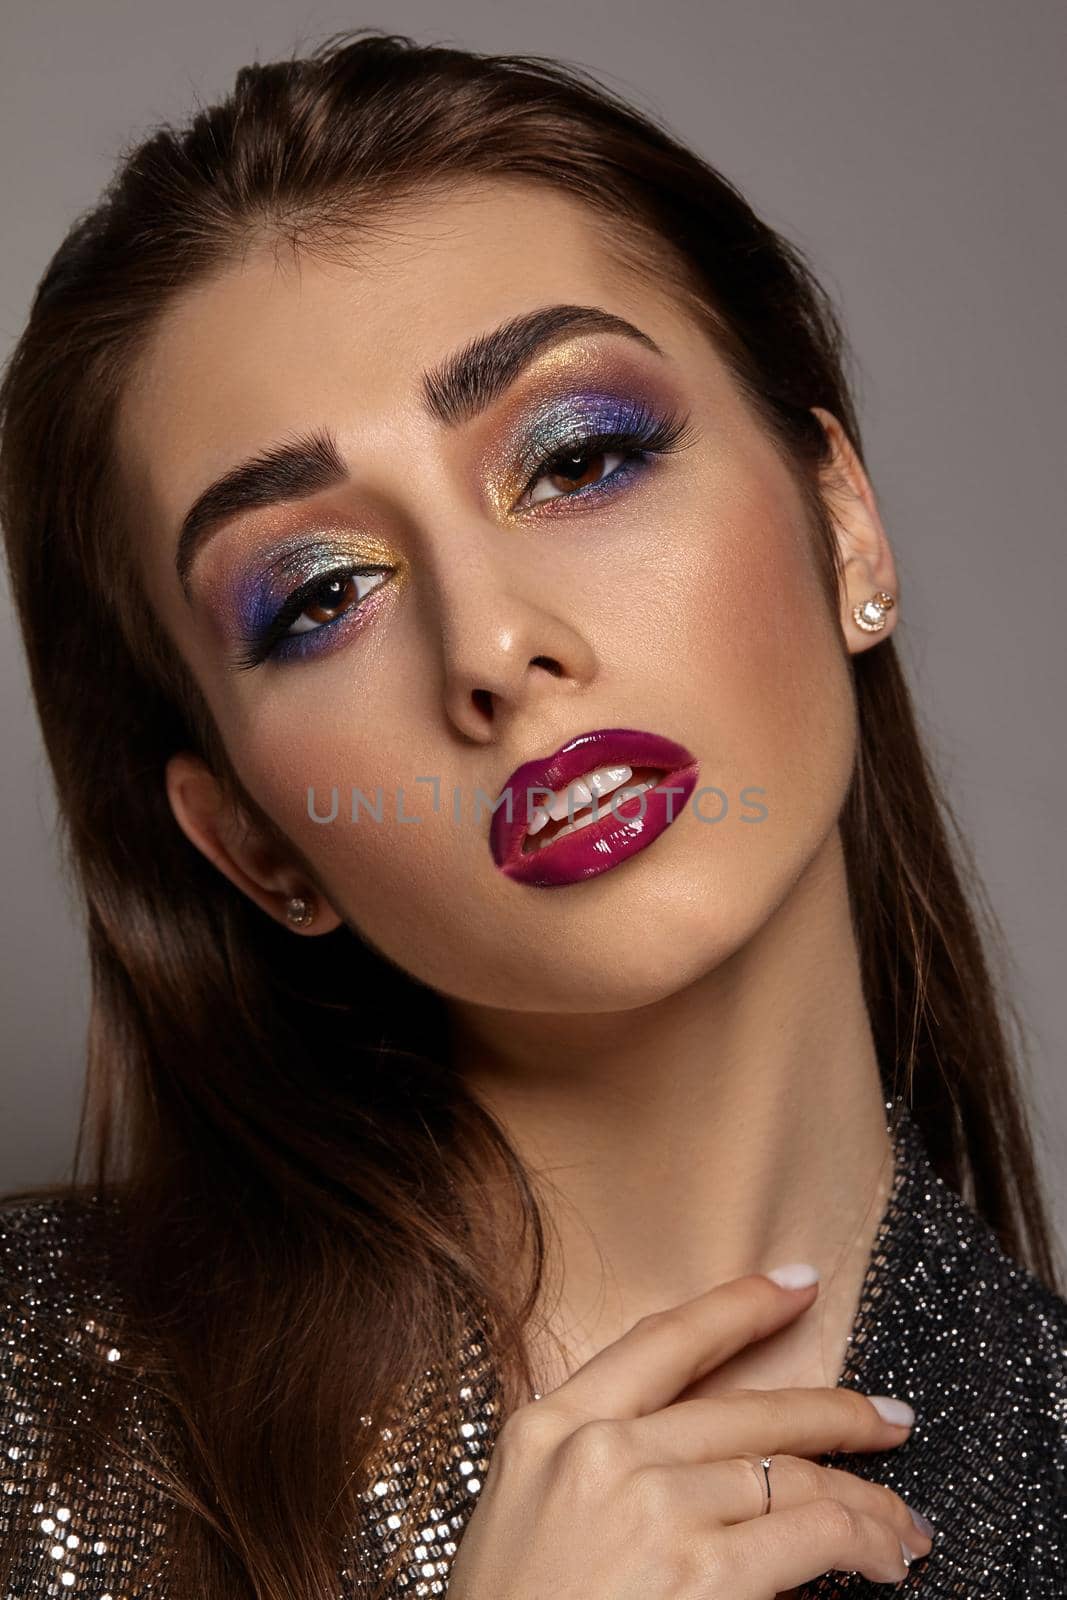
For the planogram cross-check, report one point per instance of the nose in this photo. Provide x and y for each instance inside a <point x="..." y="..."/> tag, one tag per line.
<point x="505" y="646"/>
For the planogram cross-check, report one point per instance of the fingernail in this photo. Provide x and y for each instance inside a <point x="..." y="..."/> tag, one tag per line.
<point x="794" y="1275"/>
<point x="921" y="1523"/>
<point x="895" y="1411"/>
<point x="907" y="1558"/>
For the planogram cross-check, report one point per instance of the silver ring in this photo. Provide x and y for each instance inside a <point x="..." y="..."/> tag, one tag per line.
<point x="765" y="1463"/>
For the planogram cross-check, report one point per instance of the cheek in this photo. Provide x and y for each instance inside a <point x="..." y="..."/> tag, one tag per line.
<point x="765" y="666"/>
<point x="302" y="761"/>
<point x="302" y="753"/>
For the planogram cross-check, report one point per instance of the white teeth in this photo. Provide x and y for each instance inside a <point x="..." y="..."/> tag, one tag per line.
<point x="607" y="778"/>
<point x="589" y="816"/>
<point x="583" y="790"/>
<point x="576" y="796"/>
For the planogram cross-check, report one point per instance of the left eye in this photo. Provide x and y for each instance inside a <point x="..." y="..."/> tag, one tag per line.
<point x="578" y="471"/>
<point x="591" y="459"/>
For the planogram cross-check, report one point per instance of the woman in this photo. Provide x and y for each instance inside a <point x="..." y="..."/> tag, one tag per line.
<point x="426" y="484"/>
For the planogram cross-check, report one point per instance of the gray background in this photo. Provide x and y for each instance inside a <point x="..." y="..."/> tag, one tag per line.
<point x="915" y="151"/>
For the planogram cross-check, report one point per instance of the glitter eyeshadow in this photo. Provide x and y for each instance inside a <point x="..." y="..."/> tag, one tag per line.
<point x="256" y="596"/>
<point x="945" y="1320"/>
<point x="605" y="416"/>
<point x="567" y="423"/>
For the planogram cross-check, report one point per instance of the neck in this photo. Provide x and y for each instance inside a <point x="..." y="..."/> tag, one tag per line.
<point x="726" y="1128"/>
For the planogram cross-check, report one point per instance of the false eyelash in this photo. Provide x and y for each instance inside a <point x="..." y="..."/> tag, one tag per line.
<point x="258" y="646"/>
<point x="647" y="434"/>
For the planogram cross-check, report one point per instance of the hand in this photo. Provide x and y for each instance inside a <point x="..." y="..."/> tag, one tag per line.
<point x="606" y="1490"/>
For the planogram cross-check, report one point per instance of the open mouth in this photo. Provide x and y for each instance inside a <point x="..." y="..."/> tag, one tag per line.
<point x="591" y="797"/>
<point x="582" y="810"/>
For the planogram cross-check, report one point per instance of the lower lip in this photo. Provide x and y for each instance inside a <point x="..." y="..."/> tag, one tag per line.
<point x="599" y="846"/>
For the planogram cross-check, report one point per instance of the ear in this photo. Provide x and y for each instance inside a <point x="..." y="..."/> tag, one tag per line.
<point x="239" y="850"/>
<point x="866" y="556"/>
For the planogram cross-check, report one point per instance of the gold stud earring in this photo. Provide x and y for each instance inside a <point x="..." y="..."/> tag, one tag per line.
<point x="299" y="911"/>
<point x="871" y="614"/>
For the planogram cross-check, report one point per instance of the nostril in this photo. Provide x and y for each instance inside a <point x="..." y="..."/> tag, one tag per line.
<point x="548" y="664"/>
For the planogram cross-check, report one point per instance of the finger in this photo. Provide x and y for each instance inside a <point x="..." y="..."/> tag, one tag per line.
<point x="736" y="1490"/>
<point x="799" y="1422"/>
<point x="788" y="1548"/>
<point x="664" y="1352"/>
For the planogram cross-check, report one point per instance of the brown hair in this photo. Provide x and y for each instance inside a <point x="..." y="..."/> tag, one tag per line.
<point x="303" y="1183"/>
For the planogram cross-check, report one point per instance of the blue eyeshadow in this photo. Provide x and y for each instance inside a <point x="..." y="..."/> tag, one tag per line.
<point x="259" y="595"/>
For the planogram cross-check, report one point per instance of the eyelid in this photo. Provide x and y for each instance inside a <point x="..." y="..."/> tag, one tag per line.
<point x="288" y="575"/>
<point x="300" y="554"/>
<point x="256" y="643"/>
<point x="642" y="431"/>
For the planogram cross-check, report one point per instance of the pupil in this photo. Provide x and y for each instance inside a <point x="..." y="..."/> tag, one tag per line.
<point x="337" y="587"/>
<point x="574" y="468"/>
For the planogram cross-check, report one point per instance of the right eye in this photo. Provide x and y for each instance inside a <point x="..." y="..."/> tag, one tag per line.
<point x="316" y="606"/>
<point x="336" y="593"/>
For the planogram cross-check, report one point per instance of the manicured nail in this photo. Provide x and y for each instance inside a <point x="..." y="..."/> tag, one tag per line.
<point x="921" y="1523"/>
<point x="794" y="1275"/>
<point x="895" y="1411"/>
<point x="907" y="1558"/>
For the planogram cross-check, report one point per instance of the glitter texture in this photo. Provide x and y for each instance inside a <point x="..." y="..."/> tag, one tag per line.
<point x="971" y="1339"/>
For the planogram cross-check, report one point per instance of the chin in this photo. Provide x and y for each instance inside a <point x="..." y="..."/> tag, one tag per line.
<point x="621" y="968"/>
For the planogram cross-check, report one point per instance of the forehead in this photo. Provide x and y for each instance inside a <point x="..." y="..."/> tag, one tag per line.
<point x="276" y="343"/>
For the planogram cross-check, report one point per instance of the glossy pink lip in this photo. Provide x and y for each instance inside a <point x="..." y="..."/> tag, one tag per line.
<point x="613" y="838"/>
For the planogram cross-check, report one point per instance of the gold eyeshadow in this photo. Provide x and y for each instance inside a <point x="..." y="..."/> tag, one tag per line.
<point x="571" y="410"/>
<point x="569" y="402"/>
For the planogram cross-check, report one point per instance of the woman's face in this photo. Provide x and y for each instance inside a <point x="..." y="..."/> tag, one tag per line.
<point x="515" y="594"/>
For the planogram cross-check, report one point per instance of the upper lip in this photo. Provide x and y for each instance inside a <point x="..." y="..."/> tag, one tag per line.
<point x="604" y="747"/>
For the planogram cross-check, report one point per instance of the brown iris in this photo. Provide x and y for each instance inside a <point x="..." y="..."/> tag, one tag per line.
<point x="577" y="471"/>
<point x="345" y="590"/>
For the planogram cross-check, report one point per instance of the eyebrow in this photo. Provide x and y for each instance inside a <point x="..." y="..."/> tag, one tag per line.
<point x="459" y="388"/>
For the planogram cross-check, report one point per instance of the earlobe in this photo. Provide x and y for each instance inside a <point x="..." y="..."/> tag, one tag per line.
<point x="224" y="836"/>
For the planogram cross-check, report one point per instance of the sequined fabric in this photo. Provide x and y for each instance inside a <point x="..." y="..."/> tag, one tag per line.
<point x="945" y="1320"/>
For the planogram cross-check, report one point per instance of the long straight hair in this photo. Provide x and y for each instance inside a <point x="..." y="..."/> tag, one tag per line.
<point x="309" y="1205"/>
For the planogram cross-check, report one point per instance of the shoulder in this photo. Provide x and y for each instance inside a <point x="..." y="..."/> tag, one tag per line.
<point x="54" y="1255"/>
<point x="1006" y="1327"/>
<point x="988" y="1353"/>
<point x="1021" y="1318"/>
<point x="955" y="1283"/>
<point x="58" y="1315"/>
<point x="56" y="1287"/>
<point x="1014" y="1338"/>
<point x="61" y="1364"/>
<point x="41" y="1236"/>
<point x="952" y="1323"/>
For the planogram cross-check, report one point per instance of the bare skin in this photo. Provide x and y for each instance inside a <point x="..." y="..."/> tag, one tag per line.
<point x="698" y="1102"/>
<point x="620" y="1484"/>
<point x="651" y="1193"/>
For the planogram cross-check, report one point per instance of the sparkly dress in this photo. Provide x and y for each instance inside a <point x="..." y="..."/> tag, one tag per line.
<point x="945" y="1320"/>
